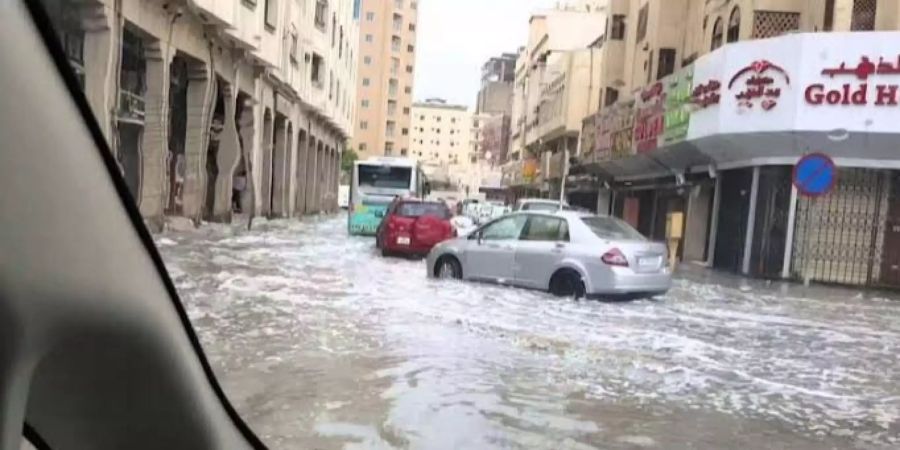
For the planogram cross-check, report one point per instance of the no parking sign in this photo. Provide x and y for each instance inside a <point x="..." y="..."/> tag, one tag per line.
<point x="815" y="175"/>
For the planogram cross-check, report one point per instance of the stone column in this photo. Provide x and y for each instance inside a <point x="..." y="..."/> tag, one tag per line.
<point x="155" y="139"/>
<point x="264" y="165"/>
<point x="335" y="163"/>
<point x="229" y="154"/>
<point x="311" y="176"/>
<point x="279" y="165"/>
<point x="102" y="48"/>
<point x="300" y="171"/>
<point x="200" y="95"/>
<point x="247" y="124"/>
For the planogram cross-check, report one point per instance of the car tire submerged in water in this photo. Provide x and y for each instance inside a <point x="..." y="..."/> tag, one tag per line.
<point x="567" y="283"/>
<point x="448" y="268"/>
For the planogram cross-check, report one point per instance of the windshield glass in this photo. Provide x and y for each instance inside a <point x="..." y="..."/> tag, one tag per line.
<point x="418" y="209"/>
<point x="612" y="228"/>
<point x="540" y="206"/>
<point x="384" y="176"/>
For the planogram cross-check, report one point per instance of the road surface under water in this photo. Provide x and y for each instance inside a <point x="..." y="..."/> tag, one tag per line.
<point x="321" y="343"/>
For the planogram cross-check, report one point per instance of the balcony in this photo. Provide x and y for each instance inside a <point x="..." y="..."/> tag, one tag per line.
<point x="132" y="107"/>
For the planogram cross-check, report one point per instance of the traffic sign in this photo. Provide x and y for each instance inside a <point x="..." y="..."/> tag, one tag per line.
<point x="815" y="174"/>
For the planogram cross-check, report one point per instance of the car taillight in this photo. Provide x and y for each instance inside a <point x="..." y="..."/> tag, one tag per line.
<point x="615" y="257"/>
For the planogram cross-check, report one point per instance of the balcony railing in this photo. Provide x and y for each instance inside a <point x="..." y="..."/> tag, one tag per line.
<point x="131" y="106"/>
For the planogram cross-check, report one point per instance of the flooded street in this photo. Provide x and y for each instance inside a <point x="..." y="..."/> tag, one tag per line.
<point x="320" y="343"/>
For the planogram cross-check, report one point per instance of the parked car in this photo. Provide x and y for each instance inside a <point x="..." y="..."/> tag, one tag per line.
<point x="539" y="204"/>
<point x="413" y="227"/>
<point x="568" y="253"/>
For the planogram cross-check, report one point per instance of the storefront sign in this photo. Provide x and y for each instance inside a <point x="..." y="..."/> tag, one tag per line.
<point x="858" y="94"/>
<point x="530" y="170"/>
<point x="622" y="128"/>
<point x="707" y="94"/>
<point x="762" y="82"/>
<point x="649" y="122"/>
<point x="677" y="106"/>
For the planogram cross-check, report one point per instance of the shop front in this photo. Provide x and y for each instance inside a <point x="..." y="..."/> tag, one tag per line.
<point x="718" y="140"/>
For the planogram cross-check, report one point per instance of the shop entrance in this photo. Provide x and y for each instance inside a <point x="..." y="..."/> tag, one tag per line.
<point x="733" y="210"/>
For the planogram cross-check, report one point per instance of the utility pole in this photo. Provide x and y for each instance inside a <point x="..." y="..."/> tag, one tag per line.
<point x="565" y="174"/>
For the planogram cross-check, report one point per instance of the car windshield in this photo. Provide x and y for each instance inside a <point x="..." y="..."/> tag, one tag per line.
<point x="540" y="206"/>
<point x="419" y="209"/>
<point x="384" y="176"/>
<point x="272" y="164"/>
<point x="612" y="228"/>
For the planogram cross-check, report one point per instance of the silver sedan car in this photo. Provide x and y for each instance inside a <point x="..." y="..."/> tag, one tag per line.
<point x="568" y="253"/>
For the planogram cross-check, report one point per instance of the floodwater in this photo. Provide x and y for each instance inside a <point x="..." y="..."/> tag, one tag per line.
<point x="321" y="344"/>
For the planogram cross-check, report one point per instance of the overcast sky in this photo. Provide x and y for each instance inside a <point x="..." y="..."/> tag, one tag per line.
<point x="455" y="37"/>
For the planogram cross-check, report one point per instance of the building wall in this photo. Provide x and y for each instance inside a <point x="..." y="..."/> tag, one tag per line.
<point x="383" y="64"/>
<point x="248" y="97"/>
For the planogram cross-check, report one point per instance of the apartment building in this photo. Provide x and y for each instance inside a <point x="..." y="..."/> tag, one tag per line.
<point x="716" y="101"/>
<point x="218" y="107"/>
<point x="557" y="83"/>
<point x="387" y="59"/>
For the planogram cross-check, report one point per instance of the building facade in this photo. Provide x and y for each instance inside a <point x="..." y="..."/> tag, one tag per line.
<point x="716" y="104"/>
<point x="387" y="60"/>
<point x="218" y="107"/>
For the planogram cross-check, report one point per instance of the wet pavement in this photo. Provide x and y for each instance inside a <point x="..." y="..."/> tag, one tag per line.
<point x="321" y="344"/>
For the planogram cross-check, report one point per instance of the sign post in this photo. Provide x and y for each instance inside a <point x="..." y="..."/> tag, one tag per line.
<point x="813" y="176"/>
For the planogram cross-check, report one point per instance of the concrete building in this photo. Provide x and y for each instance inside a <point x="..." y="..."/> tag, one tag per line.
<point x="201" y="97"/>
<point x="495" y="94"/>
<point x="387" y="59"/>
<point x="715" y="104"/>
<point x="557" y="83"/>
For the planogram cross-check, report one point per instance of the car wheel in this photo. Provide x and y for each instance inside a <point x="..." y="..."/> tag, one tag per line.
<point x="448" y="268"/>
<point x="567" y="283"/>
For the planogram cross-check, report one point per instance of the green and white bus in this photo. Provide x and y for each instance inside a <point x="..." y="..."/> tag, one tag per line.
<point x="376" y="183"/>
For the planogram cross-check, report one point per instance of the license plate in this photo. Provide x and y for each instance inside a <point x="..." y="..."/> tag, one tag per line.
<point x="649" y="262"/>
<point x="402" y="240"/>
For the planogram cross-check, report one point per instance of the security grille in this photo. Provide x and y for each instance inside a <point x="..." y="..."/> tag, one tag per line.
<point x="863" y="15"/>
<point x="839" y="237"/>
<point x="768" y="24"/>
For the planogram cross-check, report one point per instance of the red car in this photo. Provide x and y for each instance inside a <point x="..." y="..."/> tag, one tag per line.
<point x="413" y="227"/>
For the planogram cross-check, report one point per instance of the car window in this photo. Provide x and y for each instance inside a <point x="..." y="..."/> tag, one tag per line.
<point x="546" y="228"/>
<point x="504" y="229"/>
<point x="540" y="206"/>
<point x="612" y="228"/>
<point x="419" y="209"/>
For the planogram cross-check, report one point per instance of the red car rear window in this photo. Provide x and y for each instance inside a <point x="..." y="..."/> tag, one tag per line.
<point x="419" y="209"/>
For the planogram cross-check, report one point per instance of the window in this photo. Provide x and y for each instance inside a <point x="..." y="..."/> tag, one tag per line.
<point x="642" y="22"/>
<point x="395" y="43"/>
<point x="612" y="228"/>
<point x="294" y="45"/>
<point x="392" y="87"/>
<point x="410" y="48"/>
<point x="768" y="24"/>
<point x="406" y="112"/>
<point x="409" y="69"/>
<point x="412" y="27"/>
<point x="370" y="16"/>
<point x="404" y="131"/>
<point x="716" y="35"/>
<point x="369" y="38"/>
<point x="315" y="74"/>
<point x="828" y="22"/>
<point x="363" y="125"/>
<point x="666" y="64"/>
<point x="366" y="81"/>
<point x="413" y="5"/>
<point x="390" y="128"/>
<point x="398" y="23"/>
<point x="367" y="60"/>
<point x="341" y="43"/>
<point x="398" y="4"/>
<point x="649" y="66"/>
<point x="395" y="66"/>
<point x="404" y="152"/>
<point x="407" y="89"/>
<point x="363" y="147"/>
<point x="271" y="13"/>
<point x="364" y="103"/>
<point x="505" y="229"/>
<point x="391" y="107"/>
<point x="321" y="13"/>
<point x="389" y="150"/>
<point x="611" y="96"/>
<point x="863" y="18"/>
<point x="546" y="228"/>
<point x="734" y="26"/>
<point x="618" y="27"/>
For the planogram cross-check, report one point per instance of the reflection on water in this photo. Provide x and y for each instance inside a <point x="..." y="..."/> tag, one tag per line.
<point x="320" y="343"/>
